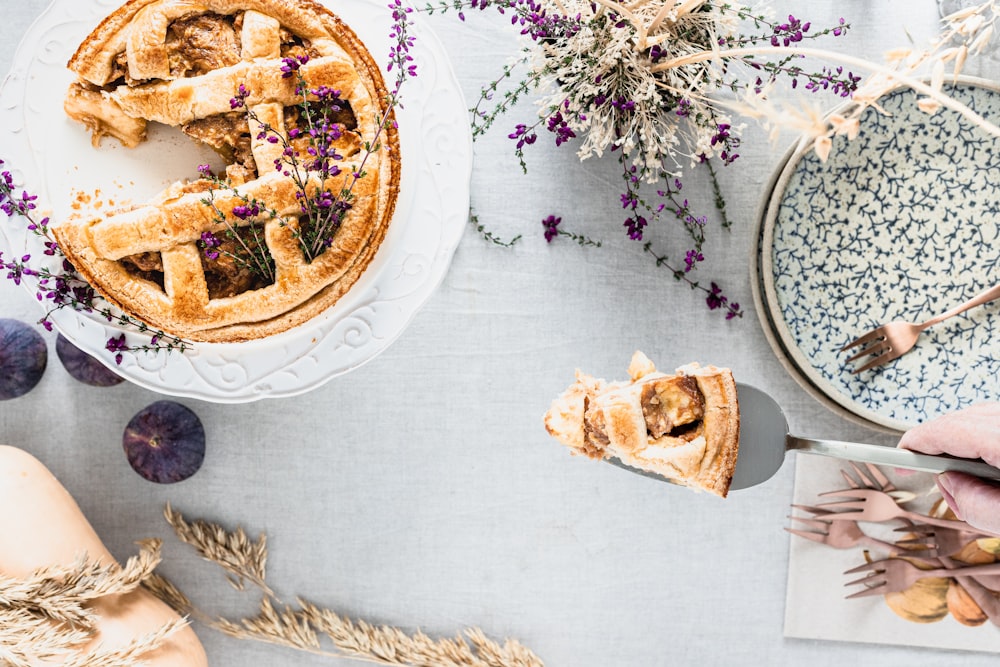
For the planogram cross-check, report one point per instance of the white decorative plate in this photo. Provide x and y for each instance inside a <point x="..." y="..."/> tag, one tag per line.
<point x="903" y="222"/>
<point x="53" y="158"/>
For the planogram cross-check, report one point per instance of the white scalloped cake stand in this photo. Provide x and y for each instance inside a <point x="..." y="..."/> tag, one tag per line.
<point x="53" y="158"/>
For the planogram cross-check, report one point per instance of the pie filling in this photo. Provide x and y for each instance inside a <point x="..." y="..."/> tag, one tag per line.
<point x="672" y="408"/>
<point x="147" y="265"/>
<point x="201" y="43"/>
<point x="233" y="267"/>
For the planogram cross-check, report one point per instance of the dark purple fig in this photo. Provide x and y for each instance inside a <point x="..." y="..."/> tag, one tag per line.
<point x="165" y="442"/>
<point x="84" y="367"/>
<point x="23" y="356"/>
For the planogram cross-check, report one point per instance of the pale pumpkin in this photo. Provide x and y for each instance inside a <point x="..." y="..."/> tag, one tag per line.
<point x="42" y="525"/>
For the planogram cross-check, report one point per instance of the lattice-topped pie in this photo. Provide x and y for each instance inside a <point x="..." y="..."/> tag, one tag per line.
<point x="237" y="256"/>
<point x="684" y="426"/>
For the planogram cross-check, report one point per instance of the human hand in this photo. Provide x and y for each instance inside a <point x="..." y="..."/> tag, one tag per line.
<point x="971" y="433"/>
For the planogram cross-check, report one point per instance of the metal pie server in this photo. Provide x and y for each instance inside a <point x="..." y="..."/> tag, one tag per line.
<point x="764" y="441"/>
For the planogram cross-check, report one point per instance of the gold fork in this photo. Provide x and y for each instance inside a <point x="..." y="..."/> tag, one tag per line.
<point x="893" y="340"/>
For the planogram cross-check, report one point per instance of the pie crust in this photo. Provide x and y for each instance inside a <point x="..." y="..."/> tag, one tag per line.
<point x="180" y="63"/>
<point x="685" y="426"/>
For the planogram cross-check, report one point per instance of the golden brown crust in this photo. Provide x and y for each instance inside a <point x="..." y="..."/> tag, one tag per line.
<point x="136" y="35"/>
<point x="722" y="428"/>
<point x="93" y="60"/>
<point x="683" y="426"/>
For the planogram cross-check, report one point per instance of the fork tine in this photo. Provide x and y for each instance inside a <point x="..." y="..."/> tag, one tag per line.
<point x="873" y="579"/>
<point x="871" y="477"/>
<point x="879" y="477"/>
<point x="846" y="516"/>
<point x="883" y="358"/>
<point x="853" y="505"/>
<point x="851" y="482"/>
<point x="877" y="589"/>
<point x="915" y="546"/>
<point x="852" y="494"/>
<point x="809" y="535"/>
<point x="817" y="511"/>
<point x="821" y="526"/>
<point x="877" y="332"/>
<point x="872" y="566"/>
<point x="878" y="349"/>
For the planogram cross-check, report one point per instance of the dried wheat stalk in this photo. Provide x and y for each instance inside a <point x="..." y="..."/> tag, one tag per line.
<point x="44" y="615"/>
<point x="233" y="551"/>
<point x="305" y="626"/>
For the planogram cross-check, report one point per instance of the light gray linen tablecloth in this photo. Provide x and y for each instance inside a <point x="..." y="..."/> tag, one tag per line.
<point x="421" y="489"/>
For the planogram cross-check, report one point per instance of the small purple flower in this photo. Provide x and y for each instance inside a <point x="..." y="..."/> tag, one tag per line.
<point x="520" y="134"/>
<point x="635" y="225"/>
<point x="560" y="127"/>
<point x="324" y="199"/>
<point x="292" y="65"/>
<point x="117" y="345"/>
<point x="550" y="224"/>
<point x="246" y="211"/>
<point x="240" y="100"/>
<point x="327" y="94"/>
<point x="209" y="242"/>
<point x="786" y="34"/>
<point x="715" y="298"/>
<point x="691" y="258"/>
<point x="721" y="133"/>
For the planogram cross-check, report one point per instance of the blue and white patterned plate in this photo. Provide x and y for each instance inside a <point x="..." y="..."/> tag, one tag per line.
<point x="763" y="309"/>
<point x="900" y="223"/>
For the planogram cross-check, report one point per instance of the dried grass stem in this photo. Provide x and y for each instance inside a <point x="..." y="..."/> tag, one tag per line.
<point x="859" y="63"/>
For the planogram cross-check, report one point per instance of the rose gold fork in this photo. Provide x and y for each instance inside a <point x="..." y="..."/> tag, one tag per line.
<point x="876" y="506"/>
<point x="837" y="534"/>
<point x="934" y="540"/>
<point x="893" y="575"/>
<point x="893" y="340"/>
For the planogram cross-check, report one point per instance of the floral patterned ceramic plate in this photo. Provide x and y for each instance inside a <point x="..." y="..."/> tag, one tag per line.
<point x="902" y="222"/>
<point x="764" y="311"/>
<point x="53" y="157"/>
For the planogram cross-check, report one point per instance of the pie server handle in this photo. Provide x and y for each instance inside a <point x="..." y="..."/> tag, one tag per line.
<point x="892" y="456"/>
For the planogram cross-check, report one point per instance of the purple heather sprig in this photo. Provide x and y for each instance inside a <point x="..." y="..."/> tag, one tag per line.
<point x="323" y="208"/>
<point x="400" y="57"/>
<point x="551" y="226"/>
<point x="249" y="251"/>
<point x="64" y="288"/>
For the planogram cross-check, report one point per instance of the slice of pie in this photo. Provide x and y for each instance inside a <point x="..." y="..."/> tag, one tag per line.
<point x="230" y="258"/>
<point x="685" y="426"/>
